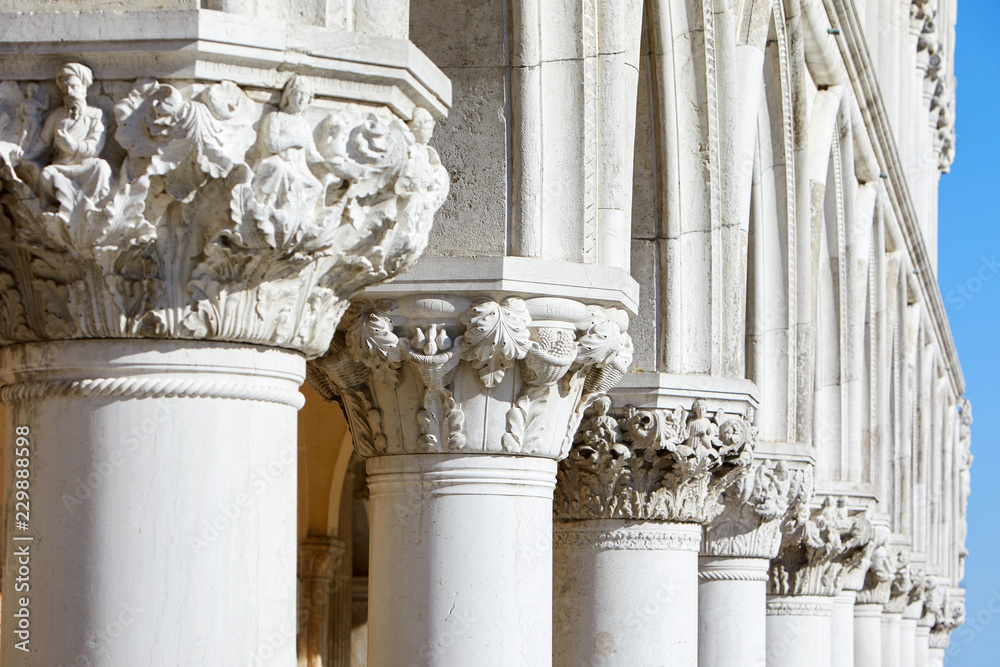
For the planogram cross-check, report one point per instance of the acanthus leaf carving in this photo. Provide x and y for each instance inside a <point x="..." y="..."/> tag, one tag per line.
<point x="490" y="341"/>
<point x="496" y="335"/>
<point x="661" y="465"/>
<point x="818" y="547"/>
<point x="748" y="525"/>
<point x="208" y="229"/>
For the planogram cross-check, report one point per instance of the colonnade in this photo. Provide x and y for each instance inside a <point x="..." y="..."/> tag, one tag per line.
<point x="667" y="381"/>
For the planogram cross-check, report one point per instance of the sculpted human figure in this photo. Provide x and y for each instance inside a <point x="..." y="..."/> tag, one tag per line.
<point x="75" y="133"/>
<point x="283" y="175"/>
<point x="30" y="111"/>
<point x="702" y="433"/>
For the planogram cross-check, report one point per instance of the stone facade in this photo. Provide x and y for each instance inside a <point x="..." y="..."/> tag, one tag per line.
<point x="612" y="328"/>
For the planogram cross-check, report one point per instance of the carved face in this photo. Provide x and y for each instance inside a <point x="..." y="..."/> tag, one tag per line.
<point x="163" y="107"/>
<point x="297" y="97"/>
<point x="74" y="88"/>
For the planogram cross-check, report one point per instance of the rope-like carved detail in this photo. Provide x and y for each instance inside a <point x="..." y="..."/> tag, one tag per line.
<point x="630" y="540"/>
<point x="150" y="388"/>
<point x="732" y="575"/>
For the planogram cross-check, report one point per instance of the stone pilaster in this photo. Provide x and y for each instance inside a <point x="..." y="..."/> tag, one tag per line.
<point x="463" y="404"/>
<point x="184" y="222"/>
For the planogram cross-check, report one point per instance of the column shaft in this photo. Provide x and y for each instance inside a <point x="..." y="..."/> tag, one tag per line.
<point x="732" y="620"/>
<point x="160" y="477"/>
<point x="799" y="631"/>
<point x="890" y="640"/>
<point x="907" y="642"/>
<point x="460" y="560"/>
<point x="868" y="635"/>
<point x="626" y="593"/>
<point x="843" y="629"/>
<point x="923" y="649"/>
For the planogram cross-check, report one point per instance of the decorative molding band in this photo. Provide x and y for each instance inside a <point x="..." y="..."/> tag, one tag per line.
<point x="540" y="362"/>
<point x="731" y="575"/>
<point x="867" y="610"/>
<point x="145" y="387"/>
<point x="660" y="465"/>
<point x="237" y="216"/>
<point x="804" y="608"/>
<point x="565" y="536"/>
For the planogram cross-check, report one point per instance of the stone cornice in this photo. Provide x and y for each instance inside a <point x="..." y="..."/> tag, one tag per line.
<point x="216" y="46"/>
<point x="663" y="465"/>
<point x="753" y="509"/>
<point x="818" y="547"/>
<point x="538" y="364"/>
<point x="235" y="216"/>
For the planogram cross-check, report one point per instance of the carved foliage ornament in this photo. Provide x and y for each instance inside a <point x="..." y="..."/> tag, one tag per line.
<point x="748" y="525"/>
<point x="225" y="219"/>
<point x="653" y="465"/>
<point x="377" y="360"/>
<point x="818" y="547"/>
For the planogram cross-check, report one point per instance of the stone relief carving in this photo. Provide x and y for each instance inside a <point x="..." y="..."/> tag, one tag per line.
<point x="378" y="360"/>
<point x="653" y="464"/>
<point x="748" y="522"/>
<point x="817" y="547"/>
<point x="944" y="610"/>
<point x="207" y="228"/>
<point x="878" y="579"/>
<point x="965" y="479"/>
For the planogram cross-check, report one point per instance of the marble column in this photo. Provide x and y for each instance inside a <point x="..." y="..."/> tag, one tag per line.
<point x="319" y="564"/>
<point x="463" y="404"/>
<point x="799" y="630"/>
<point x="907" y="640"/>
<point x="735" y="559"/>
<point x="873" y="594"/>
<point x="842" y="629"/>
<point x="922" y="652"/>
<point x="162" y="288"/>
<point x="603" y="617"/>
<point x="653" y="473"/>
<point x="868" y="635"/>
<point x="890" y="639"/>
<point x="819" y="547"/>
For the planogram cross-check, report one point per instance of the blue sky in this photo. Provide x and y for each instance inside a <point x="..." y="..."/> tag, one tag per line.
<point x="969" y="234"/>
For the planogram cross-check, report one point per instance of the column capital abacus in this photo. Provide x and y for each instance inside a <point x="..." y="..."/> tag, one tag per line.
<point x="212" y="212"/>
<point x="522" y="371"/>
<point x="658" y="465"/>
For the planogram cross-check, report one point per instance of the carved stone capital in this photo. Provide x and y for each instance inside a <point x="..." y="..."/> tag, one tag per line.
<point x="433" y="374"/>
<point x="661" y="465"/>
<point x="319" y="557"/>
<point x="753" y="509"/>
<point x="818" y="547"/>
<point x="210" y="213"/>
<point x="948" y="616"/>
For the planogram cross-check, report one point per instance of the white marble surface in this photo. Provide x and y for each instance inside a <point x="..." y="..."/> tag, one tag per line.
<point x="162" y="503"/>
